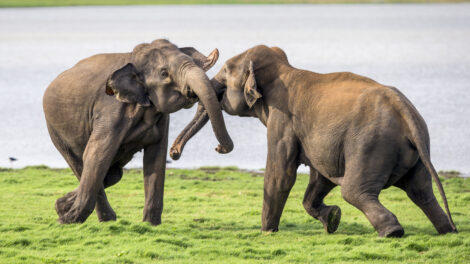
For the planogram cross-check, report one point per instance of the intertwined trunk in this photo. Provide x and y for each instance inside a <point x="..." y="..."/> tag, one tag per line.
<point x="197" y="80"/>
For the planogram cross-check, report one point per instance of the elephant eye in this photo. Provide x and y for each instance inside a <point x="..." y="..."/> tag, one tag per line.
<point x="164" y="74"/>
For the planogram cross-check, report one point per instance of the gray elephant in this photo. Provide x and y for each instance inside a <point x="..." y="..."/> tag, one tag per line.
<point x="350" y="130"/>
<point x="97" y="134"/>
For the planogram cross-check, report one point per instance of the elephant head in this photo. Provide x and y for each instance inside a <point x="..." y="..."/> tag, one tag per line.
<point x="237" y="88"/>
<point x="168" y="78"/>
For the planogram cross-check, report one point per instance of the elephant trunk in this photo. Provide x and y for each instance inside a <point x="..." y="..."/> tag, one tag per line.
<point x="198" y="82"/>
<point x="199" y="121"/>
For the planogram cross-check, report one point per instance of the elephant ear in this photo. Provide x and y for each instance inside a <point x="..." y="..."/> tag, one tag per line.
<point x="251" y="90"/>
<point x="127" y="86"/>
<point x="202" y="61"/>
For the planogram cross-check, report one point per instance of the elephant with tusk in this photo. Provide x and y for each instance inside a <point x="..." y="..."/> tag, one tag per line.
<point x="350" y="130"/>
<point x="97" y="134"/>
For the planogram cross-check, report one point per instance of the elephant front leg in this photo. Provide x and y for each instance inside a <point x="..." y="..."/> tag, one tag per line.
<point x="276" y="190"/>
<point x="154" y="175"/>
<point x="280" y="176"/>
<point x="317" y="189"/>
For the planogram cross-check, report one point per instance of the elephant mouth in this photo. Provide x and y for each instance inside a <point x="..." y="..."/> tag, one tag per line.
<point x="190" y="95"/>
<point x="221" y="94"/>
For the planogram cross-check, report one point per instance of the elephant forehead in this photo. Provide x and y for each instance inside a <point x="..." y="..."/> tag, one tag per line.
<point x="236" y="80"/>
<point x="161" y="42"/>
<point x="149" y="58"/>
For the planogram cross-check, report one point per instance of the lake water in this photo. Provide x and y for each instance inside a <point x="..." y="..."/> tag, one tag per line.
<point x="424" y="50"/>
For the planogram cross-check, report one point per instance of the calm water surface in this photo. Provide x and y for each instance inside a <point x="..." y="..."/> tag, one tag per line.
<point x="424" y="50"/>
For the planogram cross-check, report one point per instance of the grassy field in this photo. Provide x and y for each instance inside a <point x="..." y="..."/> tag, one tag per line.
<point x="31" y="3"/>
<point x="212" y="215"/>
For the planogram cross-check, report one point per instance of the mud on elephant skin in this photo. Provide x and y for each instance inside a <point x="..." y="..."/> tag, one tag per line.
<point x="350" y="130"/>
<point x="98" y="134"/>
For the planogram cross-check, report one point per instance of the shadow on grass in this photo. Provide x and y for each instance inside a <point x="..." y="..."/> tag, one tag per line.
<point x="307" y="228"/>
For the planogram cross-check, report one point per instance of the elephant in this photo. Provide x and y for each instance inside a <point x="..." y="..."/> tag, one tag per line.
<point x="107" y="107"/>
<point x="350" y="130"/>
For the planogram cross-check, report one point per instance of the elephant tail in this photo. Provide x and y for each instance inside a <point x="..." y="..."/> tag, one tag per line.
<point x="420" y="139"/>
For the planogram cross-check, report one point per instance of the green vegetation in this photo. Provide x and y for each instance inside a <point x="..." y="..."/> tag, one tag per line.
<point x="30" y="3"/>
<point x="212" y="215"/>
<point x="450" y="174"/>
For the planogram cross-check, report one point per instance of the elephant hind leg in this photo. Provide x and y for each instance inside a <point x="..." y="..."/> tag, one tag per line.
<point x="72" y="158"/>
<point x="63" y="204"/>
<point x="104" y="210"/>
<point x="317" y="189"/>
<point x="385" y="222"/>
<point x="418" y="186"/>
<point x="362" y="183"/>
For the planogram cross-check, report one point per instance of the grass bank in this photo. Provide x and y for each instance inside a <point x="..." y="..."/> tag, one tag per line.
<point x="212" y="215"/>
<point x="35" y="3"/>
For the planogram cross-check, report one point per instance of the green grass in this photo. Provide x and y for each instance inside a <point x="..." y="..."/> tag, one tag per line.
<point x="212" y="215"/>
<point x="31" y="3"/>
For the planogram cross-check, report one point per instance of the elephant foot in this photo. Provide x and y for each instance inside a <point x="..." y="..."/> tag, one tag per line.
<point x="334" y="217"/>
<point x="269" y="225"/>
<point x="106" y="216"/>
<point x="70" y="211"/>
<point x="392" y="231"/>
<point x="104" y="211"/>
<point x="447" y="228"/>
<point x="75" y="216"/>
<point x="152" y="219"/>
<point x="63" y="204"/>
<point x="269" y="229"/>
<point x="330" y="217"/>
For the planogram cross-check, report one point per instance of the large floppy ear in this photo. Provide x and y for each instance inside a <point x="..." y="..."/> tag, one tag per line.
<point x="251" y="90"/>
<point x="127" y="86"/>
<point x="202" y="61"/>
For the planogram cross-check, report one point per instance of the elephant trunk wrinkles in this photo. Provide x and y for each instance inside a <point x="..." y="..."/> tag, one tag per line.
<point x="197" y="80"/>
<point x="197" y="123"/>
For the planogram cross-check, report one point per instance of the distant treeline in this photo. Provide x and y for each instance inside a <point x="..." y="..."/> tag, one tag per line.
<point x="37" y="3"/>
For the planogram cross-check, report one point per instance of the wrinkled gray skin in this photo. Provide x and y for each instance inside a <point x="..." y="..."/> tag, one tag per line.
<point x="350" y="130"/>
<point x="97" y="134"/>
